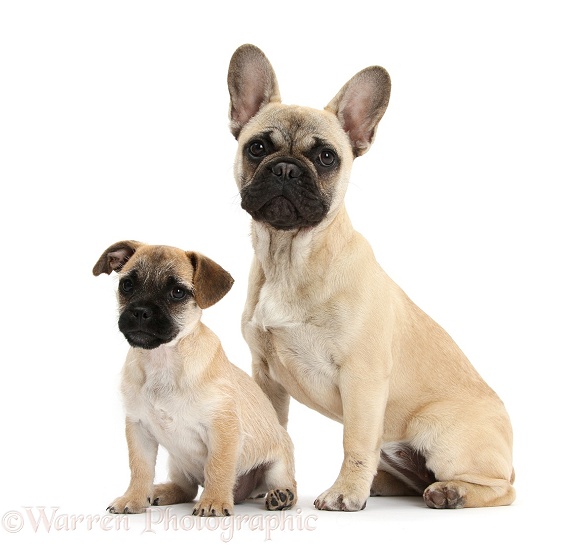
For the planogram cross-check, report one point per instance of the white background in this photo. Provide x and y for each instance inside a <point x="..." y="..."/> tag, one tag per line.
<point x="113" y="125"/>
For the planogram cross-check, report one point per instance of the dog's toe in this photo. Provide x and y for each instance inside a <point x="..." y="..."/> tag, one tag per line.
<point x="337" y="500"/>
<point x="444" y="496"/>
<point x="128" y="505"/>
<point x="280" y="499"/>
<point x="212" y="508"/>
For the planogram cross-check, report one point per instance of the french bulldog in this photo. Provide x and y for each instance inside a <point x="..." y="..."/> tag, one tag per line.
<point x="328" y="327"/>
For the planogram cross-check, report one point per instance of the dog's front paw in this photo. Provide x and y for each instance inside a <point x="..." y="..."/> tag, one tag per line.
<point x="212" y="508"/>
<point x="129" y="504"/>
<point x="341" y="499"/>
<point x="448" y="495"/>
<point x="280" y="499"/>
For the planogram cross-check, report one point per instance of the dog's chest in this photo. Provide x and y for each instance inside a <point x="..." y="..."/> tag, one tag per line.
<point x="277" y="308"/>
<point x="304" y="354"/>
<point x="174" y="418"/>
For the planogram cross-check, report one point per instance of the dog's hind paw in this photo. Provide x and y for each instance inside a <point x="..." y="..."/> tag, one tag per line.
<point x="280" y="499"/>
<point x="444" y="496"/>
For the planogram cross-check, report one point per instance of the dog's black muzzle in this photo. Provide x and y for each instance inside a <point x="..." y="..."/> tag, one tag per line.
<point x="145" y="325"/>
<point x="284" y="194"/>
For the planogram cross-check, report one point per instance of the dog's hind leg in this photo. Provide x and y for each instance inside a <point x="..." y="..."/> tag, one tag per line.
<point x="280" y="483"/>
<point x="170" y="493"/>
<point x="180" y="489"/>
<point x="469" y="450"/>
<point x="462" y="493"/>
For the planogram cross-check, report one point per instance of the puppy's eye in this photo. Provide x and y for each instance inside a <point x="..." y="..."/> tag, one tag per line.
<point x="327" y="158"/>
<point x="256" y="149"/>
<point x="178" y="293"/>
<point x="126" y="286"/>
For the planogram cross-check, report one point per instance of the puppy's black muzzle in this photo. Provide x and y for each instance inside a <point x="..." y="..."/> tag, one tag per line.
<point x="145" y="325"/>
<point x="284" y="194"/>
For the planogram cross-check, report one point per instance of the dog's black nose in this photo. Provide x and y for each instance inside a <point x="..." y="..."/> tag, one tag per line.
<point x="286" y="171"/>
<point x="142" y="314"/>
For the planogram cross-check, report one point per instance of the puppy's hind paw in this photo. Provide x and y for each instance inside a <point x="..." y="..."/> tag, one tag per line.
<point x="280" y="499"/>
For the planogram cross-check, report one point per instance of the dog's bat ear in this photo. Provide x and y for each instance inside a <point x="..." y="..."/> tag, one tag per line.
<point x="115" y="257"/>
<point x="211" y="282"/>
<point x="360" y="105"/>
<point x="252" y="84"/>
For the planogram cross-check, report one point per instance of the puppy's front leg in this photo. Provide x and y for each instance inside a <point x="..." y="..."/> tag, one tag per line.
<point x="217" y="498"/>
<point x="142" y="459"/>
<point x="364" y="392"/>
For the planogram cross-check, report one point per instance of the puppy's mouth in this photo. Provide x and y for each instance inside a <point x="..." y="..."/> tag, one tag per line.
<point x="145" y="325"/>
<point x="146" y="340"/>
<point x="285" y="196"/>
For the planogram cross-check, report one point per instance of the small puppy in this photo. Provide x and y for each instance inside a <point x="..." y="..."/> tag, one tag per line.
<point x="327" y="326"/>
<point x="180" y="391"/>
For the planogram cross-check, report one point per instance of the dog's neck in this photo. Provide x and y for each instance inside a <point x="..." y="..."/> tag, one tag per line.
<point x="191" y="357"/>
<point x="283" y="253"/>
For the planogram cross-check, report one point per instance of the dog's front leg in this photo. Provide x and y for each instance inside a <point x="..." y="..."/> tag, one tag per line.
<point x="260" y="345"/>
<point x="364" y="392"/>
<point x="274" y="391"/>
<point x="143" y="449"/>
<point x="217" y="498"/>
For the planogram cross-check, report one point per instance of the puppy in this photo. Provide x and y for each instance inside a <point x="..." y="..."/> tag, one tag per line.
<point x="328" y="327"/>
<point x="181" y="392"/>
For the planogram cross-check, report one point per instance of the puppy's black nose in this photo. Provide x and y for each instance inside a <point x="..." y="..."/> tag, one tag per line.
<point x="286" y="171"/>
<point x="142" y="314"/>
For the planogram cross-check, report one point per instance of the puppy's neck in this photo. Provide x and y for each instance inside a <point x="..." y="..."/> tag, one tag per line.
<point x="294" y="251"/>
<point x="190" y="357"/>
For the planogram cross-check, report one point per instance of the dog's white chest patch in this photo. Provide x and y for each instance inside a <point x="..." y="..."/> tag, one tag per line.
<point x="177" y="425"/>
<point x="306" y="354"/>
<point x="273" y="311"/>
<point x="163" y="418"/>
<point x="170" y="413"/>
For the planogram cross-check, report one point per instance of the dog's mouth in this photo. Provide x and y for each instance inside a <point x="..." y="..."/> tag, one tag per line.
<point x="145" y="339"/>
<point x="145" y="325"/>
<point x="287" y="202"/>
<point x="281" y="213"/>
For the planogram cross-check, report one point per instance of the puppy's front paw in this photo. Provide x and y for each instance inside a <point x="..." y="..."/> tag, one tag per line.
<point x="280" y="499"/>
<point x="129" y="504"/>
<point x="445" y="495"/>
<point x="340" y="499"/>
<point x="213" y="508"/>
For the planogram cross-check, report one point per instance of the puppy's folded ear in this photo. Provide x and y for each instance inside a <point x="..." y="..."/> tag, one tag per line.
<point x="252" y="84"/>
<point x="360" y="105"/>
<point x="211" y="282"/>
<point x="115" y="257"/>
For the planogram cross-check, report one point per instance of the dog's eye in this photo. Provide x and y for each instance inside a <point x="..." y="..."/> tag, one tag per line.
<point x="178" y="293"/>
<point x="327" y="158"/>
<point x="126" y="285"/>
<point x="256" y="149"/>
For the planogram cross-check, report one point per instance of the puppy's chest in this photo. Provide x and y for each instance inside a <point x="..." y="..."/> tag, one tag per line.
<point x="175" y="418"/>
